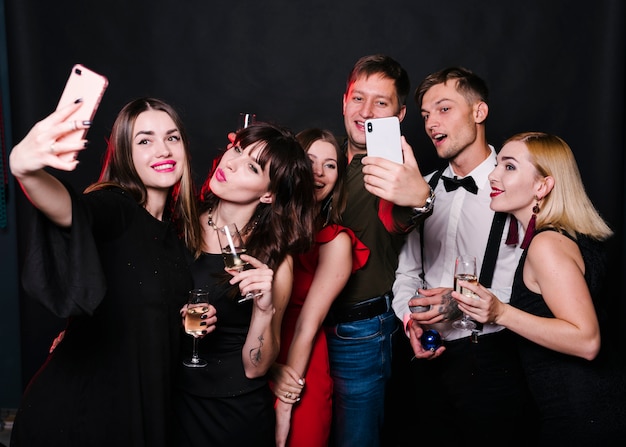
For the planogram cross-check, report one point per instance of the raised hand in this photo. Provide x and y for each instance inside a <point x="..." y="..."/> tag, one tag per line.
<point x="401" y="184"/>
<point x="40" y="148"/>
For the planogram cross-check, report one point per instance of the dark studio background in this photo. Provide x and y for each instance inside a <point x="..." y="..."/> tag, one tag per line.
<point x="554" y="66"/>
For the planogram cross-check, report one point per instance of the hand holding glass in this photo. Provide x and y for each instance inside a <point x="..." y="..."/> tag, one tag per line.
<point x="465" y="270"/>
<point x="232" y="248"/>
<point x="448" y="307"/>
<point x="197" y="304"/>
<point x="420" y="309"/>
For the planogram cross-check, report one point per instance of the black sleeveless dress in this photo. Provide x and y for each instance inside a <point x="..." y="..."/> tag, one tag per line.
<point x="580" y="402"/>
<point x="218" y="405"/>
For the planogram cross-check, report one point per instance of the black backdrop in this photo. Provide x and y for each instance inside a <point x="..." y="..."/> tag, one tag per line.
<point x="555" y="66"/>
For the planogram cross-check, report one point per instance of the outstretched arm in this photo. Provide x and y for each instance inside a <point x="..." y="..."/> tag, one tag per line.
<point x="40" y="149"/>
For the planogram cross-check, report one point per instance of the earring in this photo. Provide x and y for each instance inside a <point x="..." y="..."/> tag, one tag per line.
<point x="536" y="209"/>
<point x="530" y="230"/>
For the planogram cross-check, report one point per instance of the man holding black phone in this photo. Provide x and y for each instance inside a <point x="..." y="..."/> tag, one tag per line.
<point x="385" y="200"/>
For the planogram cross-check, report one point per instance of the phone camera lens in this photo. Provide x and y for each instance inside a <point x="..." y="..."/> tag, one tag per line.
<point x="369" y="127"/>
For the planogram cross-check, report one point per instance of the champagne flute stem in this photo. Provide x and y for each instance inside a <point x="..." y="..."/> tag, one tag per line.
<point x="194" y="355"/>
<point x="250" y="296"/>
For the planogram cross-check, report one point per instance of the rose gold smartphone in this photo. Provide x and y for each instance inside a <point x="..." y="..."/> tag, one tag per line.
<point x="87" y="85"/>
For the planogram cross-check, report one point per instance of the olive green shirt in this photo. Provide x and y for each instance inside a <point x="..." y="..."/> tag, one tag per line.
<point x="362" y="216"/>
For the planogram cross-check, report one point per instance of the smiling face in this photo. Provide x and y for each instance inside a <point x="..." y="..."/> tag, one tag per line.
<point x="515" y="182"/>
<point x="240" y="178"/>
<point x="158" y="151"/>
<point x="373" y="96"/>
<point x="449" y="120"/>
<point x="323" y="158"/>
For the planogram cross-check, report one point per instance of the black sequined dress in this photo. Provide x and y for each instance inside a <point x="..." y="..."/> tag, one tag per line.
<point x="120" y="277"/>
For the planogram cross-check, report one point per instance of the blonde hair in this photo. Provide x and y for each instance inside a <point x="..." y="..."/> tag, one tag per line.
<point x="567" y="207"/>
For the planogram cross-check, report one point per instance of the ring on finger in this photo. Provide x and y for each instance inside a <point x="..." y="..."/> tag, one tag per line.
<point x="75" y="125"/>
<point x="288" y="395"/>
<point x="52" y="147"/>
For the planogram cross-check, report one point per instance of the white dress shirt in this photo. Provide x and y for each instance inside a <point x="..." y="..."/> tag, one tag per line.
<point x="460" y="224"/>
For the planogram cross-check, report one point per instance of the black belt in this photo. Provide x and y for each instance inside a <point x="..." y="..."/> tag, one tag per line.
<point x="500" y="337"/>
<point x="359" y="311"/>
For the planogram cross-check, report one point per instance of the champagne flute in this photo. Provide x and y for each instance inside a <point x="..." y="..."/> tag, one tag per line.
<point x="465" y="270"/>
<point x="197" y="304"/>
<point x="245" y="120"/>
<point x="232" y="248"/>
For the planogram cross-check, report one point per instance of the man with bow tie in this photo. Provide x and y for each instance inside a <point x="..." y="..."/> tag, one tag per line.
<point x="473" y="382"/>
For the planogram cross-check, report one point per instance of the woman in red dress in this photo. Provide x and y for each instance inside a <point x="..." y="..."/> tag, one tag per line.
<point x="301" y="375"/>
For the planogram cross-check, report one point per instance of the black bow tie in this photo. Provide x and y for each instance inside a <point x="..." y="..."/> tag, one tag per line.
<point x="452" y="184"/>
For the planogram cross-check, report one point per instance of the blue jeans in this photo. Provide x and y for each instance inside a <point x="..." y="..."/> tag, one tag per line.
<point x="360" y="365"/>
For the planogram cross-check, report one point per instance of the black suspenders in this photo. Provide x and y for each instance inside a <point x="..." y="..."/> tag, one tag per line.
<point x="493" y="243"/>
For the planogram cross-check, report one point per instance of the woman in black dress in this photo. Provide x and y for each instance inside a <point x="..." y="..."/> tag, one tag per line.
<point x="575" y="376"/>
<point x="264" y="184"/>
<point x="112" y="263"/>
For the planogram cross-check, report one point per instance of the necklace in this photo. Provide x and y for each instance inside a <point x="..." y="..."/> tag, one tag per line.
<point x="210" y="222"/>
<point x="247" y="229"/>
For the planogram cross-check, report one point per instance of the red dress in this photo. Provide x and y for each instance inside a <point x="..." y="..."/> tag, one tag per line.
<point x="311" y="417"/>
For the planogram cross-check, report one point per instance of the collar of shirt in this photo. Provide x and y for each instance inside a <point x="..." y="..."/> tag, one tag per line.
<point x="480" y="172"/>
<point x="460" y="223"/>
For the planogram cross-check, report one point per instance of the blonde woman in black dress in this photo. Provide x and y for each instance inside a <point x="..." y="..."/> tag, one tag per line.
<point x="576" y="378"/>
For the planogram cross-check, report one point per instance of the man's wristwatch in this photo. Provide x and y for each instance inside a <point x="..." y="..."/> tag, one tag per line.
<point x="430" y="201"/>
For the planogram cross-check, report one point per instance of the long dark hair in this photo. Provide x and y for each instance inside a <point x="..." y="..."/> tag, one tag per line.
<point x="332" y="207"/>
<point x="118" y="169"/>
<point x="286" y="225"/>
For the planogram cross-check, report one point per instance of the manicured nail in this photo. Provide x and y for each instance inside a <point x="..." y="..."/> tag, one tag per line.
<point x="87" y="123"/>
<point x="78" y="100"/>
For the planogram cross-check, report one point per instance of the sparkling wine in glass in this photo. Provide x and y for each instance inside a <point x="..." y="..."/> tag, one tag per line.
<point x="232" y="248"/>
<point x="197" y="304"/>
<point x="465" y="270"/>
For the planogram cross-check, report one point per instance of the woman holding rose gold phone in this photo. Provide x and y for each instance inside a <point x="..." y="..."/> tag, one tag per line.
<point x="575" y="376"/>
<point x="111" y="261"/>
